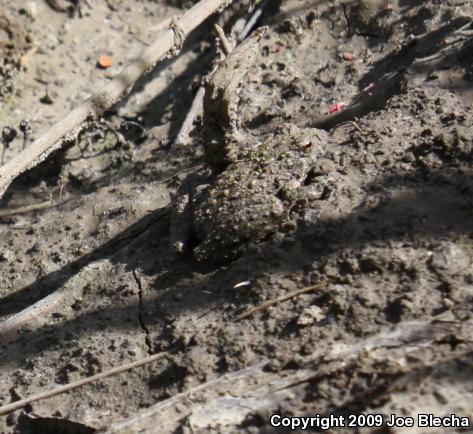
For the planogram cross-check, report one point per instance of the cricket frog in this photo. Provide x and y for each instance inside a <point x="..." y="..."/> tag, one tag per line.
<point x="253" y="186"/>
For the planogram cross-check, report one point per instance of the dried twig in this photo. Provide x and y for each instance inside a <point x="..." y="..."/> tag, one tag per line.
<point x="252" y="22"/>
<point x="180" y="172"/>
<point x="285" y="297"/>
<point x="196" y="108"/>
<point x="26" y="209"/>
<point x="79" y="383"/>
<point x="353" y="123"/>
<point x="168" y="42"/>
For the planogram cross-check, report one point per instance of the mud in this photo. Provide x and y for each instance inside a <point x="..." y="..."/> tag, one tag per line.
<point x="386" y="88"/>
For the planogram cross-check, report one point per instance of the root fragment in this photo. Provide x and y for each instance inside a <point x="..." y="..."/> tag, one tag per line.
<point x="285" y="297"/>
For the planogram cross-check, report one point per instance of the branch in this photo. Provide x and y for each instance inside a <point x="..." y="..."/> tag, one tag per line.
<point x="168" y="42"/>
<point x="79" y="383"/>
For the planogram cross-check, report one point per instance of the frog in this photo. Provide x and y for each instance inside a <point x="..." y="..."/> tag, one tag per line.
<point x="253" y="186"/>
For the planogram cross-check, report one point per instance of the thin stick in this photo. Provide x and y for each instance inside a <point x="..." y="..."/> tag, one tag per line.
<point x="26" y="316"/>
<point x="180" y="172"/>
<point x="353" y="123"/>
<point x="168" y="42"/>
<point x="196" y="108"/>
<point x="79" y="383"/>
<point x="251" y="22"/>
<point x="26" y="209"/>
<point x="285" y="297"/>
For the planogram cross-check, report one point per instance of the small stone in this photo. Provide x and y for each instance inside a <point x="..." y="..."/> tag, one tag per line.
<point x="310" y="315"/>
<point x="178" y="296"/>
<point x="6" y="256"/>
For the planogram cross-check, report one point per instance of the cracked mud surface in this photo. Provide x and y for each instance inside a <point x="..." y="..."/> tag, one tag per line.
<point x="390" y="237"/>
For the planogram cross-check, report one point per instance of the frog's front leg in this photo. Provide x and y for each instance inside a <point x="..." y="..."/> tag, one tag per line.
<point x="182" y="230"/>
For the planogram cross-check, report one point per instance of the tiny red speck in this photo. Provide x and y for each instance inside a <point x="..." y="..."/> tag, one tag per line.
<point x="334" y="108"/>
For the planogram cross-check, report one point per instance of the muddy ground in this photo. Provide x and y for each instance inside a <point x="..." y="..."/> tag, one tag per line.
<point x="383" y="224"/>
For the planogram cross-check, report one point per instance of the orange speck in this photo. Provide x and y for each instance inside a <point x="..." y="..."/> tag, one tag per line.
<point x="104" y="61"/>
